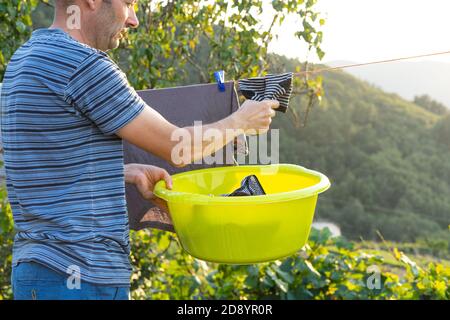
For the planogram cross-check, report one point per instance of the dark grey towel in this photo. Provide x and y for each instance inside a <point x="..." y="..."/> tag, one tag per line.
<point x="271" y="87"/>
<point x="181" y="106"/>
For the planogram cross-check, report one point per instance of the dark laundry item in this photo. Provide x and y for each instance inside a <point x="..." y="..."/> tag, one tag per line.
<point x="271" y="87"/>
<point x="181" y="106"/>
<point x="250" y="186"/>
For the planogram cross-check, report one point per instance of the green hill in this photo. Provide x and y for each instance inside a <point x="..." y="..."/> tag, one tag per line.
<point x="388" y="160"/>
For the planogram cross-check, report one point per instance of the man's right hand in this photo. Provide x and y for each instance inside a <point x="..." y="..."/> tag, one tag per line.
<point x="255" y="117"/>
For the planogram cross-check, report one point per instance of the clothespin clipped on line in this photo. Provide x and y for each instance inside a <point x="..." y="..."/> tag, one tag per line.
<point x="220" y="78"/>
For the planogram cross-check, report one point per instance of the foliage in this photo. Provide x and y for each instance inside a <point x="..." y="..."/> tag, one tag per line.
<point x="236" y="40"/>
<point x="181" y="42"/>
<point x="326" y="268"/>
<point x="15" y="27"/>
<point x="166" y="46"/>
<point x="441" y="132"/>
<point x="431" y="105"/>
<point x="6" y="241"/>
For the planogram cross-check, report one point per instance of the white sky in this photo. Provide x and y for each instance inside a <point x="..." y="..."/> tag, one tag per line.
<point x="367" y="30"/>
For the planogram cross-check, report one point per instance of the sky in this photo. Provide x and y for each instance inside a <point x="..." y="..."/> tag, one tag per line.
<point x="370" y="30"/>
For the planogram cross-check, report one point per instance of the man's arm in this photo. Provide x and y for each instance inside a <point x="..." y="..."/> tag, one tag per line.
<point x="152" y="132"/>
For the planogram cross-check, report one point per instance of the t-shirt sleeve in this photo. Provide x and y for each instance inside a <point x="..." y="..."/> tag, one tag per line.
<point x="99" y="90"/>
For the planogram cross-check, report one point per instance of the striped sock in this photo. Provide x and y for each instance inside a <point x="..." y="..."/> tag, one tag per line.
<point x="271" y="87"/>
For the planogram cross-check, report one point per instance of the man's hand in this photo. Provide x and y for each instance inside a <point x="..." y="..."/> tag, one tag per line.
<point x="255" y="117"/>
<point x="144" y="177"/>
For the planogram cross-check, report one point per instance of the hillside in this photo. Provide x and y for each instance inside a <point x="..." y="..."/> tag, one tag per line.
<point x="407" y="78"/>
<point x="387" y="158"/>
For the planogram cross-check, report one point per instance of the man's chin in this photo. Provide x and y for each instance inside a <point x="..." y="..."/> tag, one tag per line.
<point x="114" y="44"/>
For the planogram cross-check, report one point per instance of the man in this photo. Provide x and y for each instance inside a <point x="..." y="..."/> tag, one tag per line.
<point x="65" y="109"/>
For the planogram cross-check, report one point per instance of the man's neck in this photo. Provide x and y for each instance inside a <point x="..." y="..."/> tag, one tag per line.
<point x="77" y="34"/>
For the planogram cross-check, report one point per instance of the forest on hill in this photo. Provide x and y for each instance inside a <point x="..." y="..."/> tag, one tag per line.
<point x="388" y="159"/>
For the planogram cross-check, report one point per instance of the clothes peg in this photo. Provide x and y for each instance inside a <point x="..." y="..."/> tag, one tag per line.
<point x="220" y="78"/>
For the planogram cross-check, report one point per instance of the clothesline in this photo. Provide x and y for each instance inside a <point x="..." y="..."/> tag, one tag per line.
<point x="302" y="73"/>
<point x="256" y="81"/>
<point x="279" y="87"/>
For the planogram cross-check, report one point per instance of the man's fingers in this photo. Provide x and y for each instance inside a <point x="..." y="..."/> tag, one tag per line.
<point x="262" y="131"/>
<point x="164" y="175"/>
<point x="168" y="179"/>
<point x="146" y="194"/>
<point x="274" y="104"/>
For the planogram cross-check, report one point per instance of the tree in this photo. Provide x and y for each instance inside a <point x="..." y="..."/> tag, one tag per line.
<point x="155" y="54"/>
<point x="15" y="28"/>
<point x="181" y="38"/>
<point x="426" y="102"/>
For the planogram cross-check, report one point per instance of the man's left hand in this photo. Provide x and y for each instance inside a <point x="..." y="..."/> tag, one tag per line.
<point x="145" y="177"/>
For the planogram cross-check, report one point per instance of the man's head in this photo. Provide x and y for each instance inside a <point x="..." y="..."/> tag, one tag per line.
<point x="102" y="23"/>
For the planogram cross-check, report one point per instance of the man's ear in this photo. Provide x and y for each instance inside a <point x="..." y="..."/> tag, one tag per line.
<point x="93" y="4"/>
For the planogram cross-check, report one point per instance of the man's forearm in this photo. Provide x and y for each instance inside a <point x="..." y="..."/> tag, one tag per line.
<point x="198" y="142"/>
<point x="181" y="146"/>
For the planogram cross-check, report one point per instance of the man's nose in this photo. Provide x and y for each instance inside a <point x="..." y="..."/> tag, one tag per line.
<point x="132" y="21"/>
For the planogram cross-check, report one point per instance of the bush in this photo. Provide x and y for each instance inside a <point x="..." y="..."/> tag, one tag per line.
<point x="6" y="242"/>
<point x="326" y="268"/>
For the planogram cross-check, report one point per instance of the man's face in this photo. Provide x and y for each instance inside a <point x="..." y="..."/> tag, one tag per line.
<point x="114" y="17"/>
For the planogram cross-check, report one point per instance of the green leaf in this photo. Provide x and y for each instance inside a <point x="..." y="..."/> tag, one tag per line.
<point x="280" y="284"/>
<point x="251" y="281"/>
<point x="20" y="26"/>
<point x="311" y="268"/>
<point x="284" y="275"/>
<point x="320" y="53"/>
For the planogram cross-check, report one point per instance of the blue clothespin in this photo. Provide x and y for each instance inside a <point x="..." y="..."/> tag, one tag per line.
<point x="220" y="78"/>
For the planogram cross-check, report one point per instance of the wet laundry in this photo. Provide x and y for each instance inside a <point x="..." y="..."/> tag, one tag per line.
<point x="250" y="186"/>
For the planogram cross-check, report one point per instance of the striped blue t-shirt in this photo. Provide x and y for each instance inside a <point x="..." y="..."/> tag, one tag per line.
<point x="62" y="103"/>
